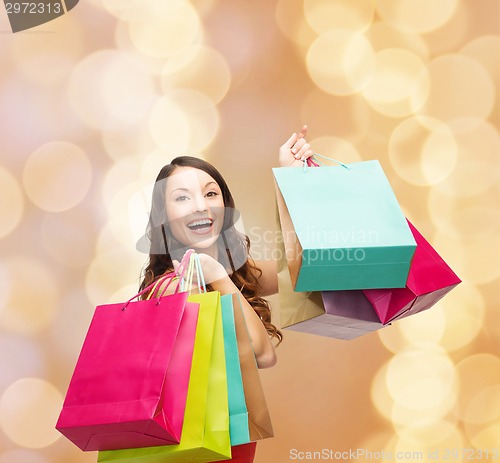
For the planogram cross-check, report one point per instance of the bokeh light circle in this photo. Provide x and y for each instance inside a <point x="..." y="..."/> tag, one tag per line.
<point x="184" y="122"/>
<point x="118" y="176"/>
<point x="484" y="407"/>
<point x="57" y="176"/>
<point x="423" y="154"/>
<point x="379" y="392"/>
<point x="460" y="89"/>
<point x="69" y="238"/>
<point x="133" y="10"/>
<point x="421" y="377"/>
<point x="336" y="148"/>
<point x="428" y="326"/>
<point x="126" y="223"/>
<point x="412" y="447"/>
<point x="125" y="10"/>
<point x="104" y="278"/>
<point x="476" y="259"/>
<point x="463" y="310"/>
<point x="485" y="49"/>
<point x="400" y="84"/>
<point x="28" y="412"/>
<point x="151" y="65"/>
<point x="166" y="30"/>
<point x="102" y="82"/>
<point x="403" y="416"/>
<point x="427" y="432"/>
<point x="151" y="166"/>
<point x="200" y="68"/>
<point x="487" y="437"/>
<point x="11" y="202"/>
<point x="346" y="117"/>
<point x="482" y="418"/>
<point x="340" y="62"/>
<point x="28" y="311"/>
<point x="478" y="164"/>
<point x="466" y="218"/>
<point x="476" y="373"/>
<point x="30" y="360"/>
<point x="325" y="15"/>
<point x="130" y="136"/>
<point x="292" y="23"/>
<point x="49" y="62"/>
<point x="169" y="126"/>
<point x="418" y="16"/>
<point x="382" y="36"/>
<point x="393" y="339"/>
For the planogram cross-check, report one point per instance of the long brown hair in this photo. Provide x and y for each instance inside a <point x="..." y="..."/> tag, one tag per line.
<point x="232" y="245"/>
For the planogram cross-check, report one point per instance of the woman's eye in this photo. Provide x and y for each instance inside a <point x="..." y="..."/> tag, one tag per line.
<point x="212" y="193"/>
<point x="181" y="198"/>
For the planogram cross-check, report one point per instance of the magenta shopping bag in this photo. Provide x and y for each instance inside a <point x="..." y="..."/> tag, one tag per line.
<point x="130" y="382"/>
<point x="429" y="279"/>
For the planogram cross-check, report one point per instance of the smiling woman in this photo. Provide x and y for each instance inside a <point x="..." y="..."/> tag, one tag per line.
<point x="192" y="208"/>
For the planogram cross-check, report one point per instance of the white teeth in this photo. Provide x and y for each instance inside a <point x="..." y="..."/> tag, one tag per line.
<point x="200" y="223"/>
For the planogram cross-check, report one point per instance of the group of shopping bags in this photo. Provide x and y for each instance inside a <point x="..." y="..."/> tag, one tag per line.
<point x="169" y="378"/>
<point x="350" y="262"/>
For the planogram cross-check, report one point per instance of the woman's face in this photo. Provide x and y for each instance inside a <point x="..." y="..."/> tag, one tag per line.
<point x="194" y="207"/>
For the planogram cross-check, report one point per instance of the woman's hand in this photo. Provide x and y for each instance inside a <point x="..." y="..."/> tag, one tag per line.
<point x="295" y="150"/>
<point x="216" y="275"/>
<point x="211" y="268"/>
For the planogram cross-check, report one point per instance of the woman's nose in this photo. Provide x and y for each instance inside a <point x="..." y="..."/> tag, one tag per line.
<point x="200" y="204"/>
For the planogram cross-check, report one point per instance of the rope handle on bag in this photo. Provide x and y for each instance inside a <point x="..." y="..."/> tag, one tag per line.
<point x="189" y="264"/>
<point x="180" y="275"/>
<point x="312" y="161"/>
<point x="194" y="266"/>
<point x="171" y="276"/>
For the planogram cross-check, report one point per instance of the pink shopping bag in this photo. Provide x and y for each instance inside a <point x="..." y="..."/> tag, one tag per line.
<point x="130" y="382"/>
<point x="429" y="279"/>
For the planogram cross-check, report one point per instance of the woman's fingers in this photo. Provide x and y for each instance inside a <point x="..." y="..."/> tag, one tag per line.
<point x="297" y="146"/>
<point x="291" y="141"/>
<point x="301" y="149"/>
<point x="303" y="132"/>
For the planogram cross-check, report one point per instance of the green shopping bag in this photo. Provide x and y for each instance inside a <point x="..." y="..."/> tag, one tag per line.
<point x="205" y="434"/>
<point x="342" y="228"/>
<point x="238" y="414"/>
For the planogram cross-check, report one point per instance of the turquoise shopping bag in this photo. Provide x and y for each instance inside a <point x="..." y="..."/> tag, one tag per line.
<point x="342" y="228"/>
<point x="238" y="414"/>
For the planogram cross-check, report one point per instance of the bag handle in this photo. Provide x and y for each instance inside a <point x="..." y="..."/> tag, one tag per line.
<point x="189" y="265"/>
<point x="194" y="266"/>
<point x="171" y="276"/>
<point x="312" y="161"/>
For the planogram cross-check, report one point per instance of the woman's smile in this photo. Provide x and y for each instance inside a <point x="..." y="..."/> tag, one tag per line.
<point x="195" y="208"/>
<point x="201" y="226"/>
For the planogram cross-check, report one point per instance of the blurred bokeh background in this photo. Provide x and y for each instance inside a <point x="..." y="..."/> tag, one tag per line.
<point x="95" y="102"/>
